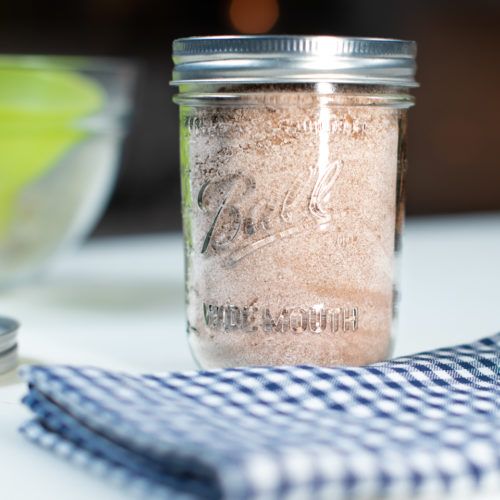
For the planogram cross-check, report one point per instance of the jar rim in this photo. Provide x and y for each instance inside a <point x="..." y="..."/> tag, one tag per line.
<point x="294" y="59"/>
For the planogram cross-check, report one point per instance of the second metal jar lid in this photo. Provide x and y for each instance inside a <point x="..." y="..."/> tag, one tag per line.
<point x="289" y="59"/>
<point x="8" y="344"/>
<point x="8" y="334"/>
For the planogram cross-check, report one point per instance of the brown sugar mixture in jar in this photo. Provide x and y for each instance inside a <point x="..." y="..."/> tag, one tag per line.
<point x="292" y="208"/>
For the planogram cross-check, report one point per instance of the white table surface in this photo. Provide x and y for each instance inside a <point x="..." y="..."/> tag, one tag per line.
<point x="118" y="303"/>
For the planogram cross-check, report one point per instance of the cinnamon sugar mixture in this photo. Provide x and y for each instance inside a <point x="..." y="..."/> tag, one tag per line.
<point x="289" y="205"/>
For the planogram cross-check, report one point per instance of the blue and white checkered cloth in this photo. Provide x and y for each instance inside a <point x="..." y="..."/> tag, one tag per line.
<point x="422" y="425"/>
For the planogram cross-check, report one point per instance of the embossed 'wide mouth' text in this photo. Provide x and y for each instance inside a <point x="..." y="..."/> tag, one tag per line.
<point x="315" y="319"/>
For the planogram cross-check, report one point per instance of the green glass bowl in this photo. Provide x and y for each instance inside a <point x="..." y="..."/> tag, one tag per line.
<point x="61" y="125"/>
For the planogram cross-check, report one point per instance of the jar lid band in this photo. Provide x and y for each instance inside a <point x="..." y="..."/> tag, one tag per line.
<point x="294" y="59"/>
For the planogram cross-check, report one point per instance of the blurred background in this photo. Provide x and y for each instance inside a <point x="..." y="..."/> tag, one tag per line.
<point x="454" y="163"/>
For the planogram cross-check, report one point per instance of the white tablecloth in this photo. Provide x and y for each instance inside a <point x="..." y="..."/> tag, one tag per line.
<point x="118" y="303"/>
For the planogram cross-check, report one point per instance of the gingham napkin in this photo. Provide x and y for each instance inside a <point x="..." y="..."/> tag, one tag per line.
<point x="427" y="424"/>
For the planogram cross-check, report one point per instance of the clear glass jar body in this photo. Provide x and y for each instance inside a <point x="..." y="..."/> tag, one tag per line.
<point x="292" y="211"/>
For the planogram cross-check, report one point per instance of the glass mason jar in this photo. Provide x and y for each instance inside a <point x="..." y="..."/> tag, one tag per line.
<point x="292" y="167"/>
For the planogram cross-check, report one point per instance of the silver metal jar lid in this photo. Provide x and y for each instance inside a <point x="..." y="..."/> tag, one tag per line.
<point x="293" y="58"/>
<point x="8" y="344"/>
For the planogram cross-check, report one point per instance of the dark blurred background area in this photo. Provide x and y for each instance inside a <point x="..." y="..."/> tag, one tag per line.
<point x="454" y="128"/>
